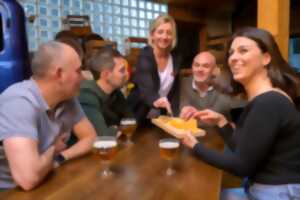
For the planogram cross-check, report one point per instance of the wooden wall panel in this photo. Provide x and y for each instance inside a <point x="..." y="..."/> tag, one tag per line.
<point x="274" y="15"/>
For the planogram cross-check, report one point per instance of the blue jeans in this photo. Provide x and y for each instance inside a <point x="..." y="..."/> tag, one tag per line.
<point x="274" y="192"/>
<point x="263" y="192"/>
<point x="234" y="194"/>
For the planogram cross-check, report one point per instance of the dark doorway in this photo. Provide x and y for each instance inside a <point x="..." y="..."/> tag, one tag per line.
<point x="187" y="41"/>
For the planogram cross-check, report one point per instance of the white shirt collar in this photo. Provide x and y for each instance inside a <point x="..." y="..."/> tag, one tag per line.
<point x="201" y="94"/>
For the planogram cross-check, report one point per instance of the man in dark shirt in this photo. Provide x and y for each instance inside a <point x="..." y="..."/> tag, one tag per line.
<point x="101" y="99"/>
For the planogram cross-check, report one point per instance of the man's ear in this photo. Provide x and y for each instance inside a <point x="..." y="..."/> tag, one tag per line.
<point x="216" y="71"/>
<point x="104" y="73"/>
<point x="57" y="73"/>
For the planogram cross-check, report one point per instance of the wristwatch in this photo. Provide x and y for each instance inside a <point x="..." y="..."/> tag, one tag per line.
<point x="59" y="159"/>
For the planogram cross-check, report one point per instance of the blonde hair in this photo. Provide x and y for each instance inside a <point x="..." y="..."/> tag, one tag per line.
<point x="162" y="19"/>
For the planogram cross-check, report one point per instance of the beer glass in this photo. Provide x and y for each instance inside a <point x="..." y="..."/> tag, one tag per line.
<point x="106" y="148"/>
<point x="168" y="149"/>
<point x="128" y="127"/>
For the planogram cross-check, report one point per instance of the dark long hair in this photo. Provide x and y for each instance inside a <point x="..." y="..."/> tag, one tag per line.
<point x="280" y="72"/>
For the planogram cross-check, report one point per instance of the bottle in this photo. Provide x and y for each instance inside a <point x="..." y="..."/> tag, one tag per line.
<point x="14" y="56"/>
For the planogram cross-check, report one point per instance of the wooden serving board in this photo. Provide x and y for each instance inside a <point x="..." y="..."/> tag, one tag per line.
<point x="162" y="122"/>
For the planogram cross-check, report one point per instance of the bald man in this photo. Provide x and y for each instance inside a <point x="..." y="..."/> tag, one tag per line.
<point x="37" y="115"/>
<point x="198" y="92"/>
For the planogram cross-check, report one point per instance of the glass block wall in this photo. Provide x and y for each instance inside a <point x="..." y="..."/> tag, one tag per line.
<point x="112" y="19"/>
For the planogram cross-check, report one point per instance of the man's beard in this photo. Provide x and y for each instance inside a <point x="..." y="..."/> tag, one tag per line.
<point x="116" y="86"/>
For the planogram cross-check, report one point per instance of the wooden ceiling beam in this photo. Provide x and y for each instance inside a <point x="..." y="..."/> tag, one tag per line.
<point x="187" y="14"/>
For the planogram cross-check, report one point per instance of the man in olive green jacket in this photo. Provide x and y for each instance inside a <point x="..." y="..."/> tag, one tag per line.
<point x="101" y="99"/>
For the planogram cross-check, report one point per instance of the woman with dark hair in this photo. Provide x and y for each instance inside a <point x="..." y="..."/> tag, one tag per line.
<point x="266" y="141"/>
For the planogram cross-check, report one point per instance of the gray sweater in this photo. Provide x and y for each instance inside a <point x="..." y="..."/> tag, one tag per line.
<point x="213" y="100"/>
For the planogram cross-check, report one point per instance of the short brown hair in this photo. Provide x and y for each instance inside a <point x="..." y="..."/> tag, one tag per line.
<point x="102" y="59"/>
<point x="47" y="54"/>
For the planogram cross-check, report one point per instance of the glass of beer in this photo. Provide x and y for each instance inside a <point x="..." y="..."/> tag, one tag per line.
<point x="128" y="127"/>
<point x="106" y="148"/>
<point x="168" y="149"/>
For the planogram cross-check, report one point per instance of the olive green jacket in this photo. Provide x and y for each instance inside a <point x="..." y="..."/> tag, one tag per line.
<point x="104" y="111"/>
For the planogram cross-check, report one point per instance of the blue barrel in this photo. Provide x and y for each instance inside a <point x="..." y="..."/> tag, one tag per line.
<point x="14" y="59"/>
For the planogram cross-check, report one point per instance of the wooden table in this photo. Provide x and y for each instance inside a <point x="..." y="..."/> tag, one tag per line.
<point x="139" y="174"/>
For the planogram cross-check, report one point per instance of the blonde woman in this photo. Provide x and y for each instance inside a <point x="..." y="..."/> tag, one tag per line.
<point x="156" y="77"/>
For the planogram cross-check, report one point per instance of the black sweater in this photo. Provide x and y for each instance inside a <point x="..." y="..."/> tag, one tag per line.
<point x="265" y="144"/>
<point x="147" y="84"/>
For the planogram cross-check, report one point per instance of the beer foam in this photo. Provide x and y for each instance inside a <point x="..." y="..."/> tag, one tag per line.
<point x="105" y="144"/>
<point x="128" y="122"/>
<point x="169" y="145"/>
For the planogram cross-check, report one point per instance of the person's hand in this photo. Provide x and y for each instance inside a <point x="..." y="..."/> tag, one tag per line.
<point x="163" y="102"/>
<point x="187" y="112"/>
<point x="119" y="133"/>
<point x="189" y="140"/>
<point x="211" y="117"/>
<point x="60" y="142"/>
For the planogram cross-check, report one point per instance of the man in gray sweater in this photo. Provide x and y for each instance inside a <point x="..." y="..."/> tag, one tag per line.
<point x="197" y="91"/>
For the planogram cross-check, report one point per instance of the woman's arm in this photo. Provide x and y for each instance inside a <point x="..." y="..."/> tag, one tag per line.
<point x="144" y="79"/>
<point x="255" y="138"/>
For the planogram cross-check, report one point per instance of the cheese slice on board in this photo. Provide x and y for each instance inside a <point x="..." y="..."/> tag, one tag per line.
<point x="177" y="126"/>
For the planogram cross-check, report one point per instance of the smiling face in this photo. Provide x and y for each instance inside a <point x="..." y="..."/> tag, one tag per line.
<point x="162" y="36"/>
<point x="246" y="60"/>
<point x="203" y="67"/>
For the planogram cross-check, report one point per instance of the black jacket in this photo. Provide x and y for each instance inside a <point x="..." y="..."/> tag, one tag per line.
<point x="147" y="84"/>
